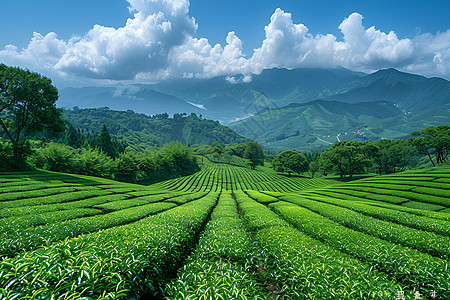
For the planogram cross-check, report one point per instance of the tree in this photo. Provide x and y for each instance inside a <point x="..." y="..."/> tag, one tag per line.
<point x="237" y="149"/>
<point x="254" y="153"/>
<point x="72" y="137"/>
<point x="180" y="157"/>
<point x="433" y="141"/>
<point x="394" y="156"/>
<point x="5" y="154"/>
<point x="56" y="157"/>
<point x="289" y="162"/>
<point x="27" y="106"/>
<point x="94" y="162"/>
<point x="105" y="143"/>
<point x="313" y="168"/>
<point x="126" y="168"/>
<point x="348" y="157"/>
<point x="217" y="147"/>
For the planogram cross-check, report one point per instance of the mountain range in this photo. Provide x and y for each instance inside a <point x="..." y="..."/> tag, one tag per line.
<point x="290" y="108"/>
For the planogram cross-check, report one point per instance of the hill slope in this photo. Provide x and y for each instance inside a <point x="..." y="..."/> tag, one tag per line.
<point x="138" y="98"/>
<point x="184" y="236"/>
<point x="411" y="93"/>
<point x="321" y="123"/>
<point x="141" y="131"/>
<point x="228" y="98"/>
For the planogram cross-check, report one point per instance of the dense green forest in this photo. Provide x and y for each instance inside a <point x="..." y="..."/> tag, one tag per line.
<point x="140" y="131"/>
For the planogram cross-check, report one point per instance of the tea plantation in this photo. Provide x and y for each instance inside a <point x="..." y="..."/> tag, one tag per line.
<point x="226" y="232"/>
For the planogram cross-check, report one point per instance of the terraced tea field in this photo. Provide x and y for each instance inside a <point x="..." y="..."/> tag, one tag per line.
<point x="226" y="232"/>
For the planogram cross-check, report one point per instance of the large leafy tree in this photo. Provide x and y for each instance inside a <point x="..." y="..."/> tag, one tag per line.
<point x="394" y="156"/>
<point x="289" y="162"/>
<point x="348" y="157"/>
<point x="254" y="153"/>
<point x="27" y="106"/>
<point x="433" y="142"/>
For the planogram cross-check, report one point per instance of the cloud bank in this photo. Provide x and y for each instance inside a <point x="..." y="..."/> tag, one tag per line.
<point x="158" y="43"/>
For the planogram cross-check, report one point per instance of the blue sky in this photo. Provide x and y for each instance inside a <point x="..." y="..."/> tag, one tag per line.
<point x="166" y="39"/>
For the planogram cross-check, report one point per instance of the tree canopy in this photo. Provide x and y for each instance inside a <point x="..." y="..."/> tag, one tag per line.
<point x="348" y="157"/>
<point x="254" y="153"/>
<point x="433" y="142"/>
<point x="105" y="143"/>
<point x="289" y="162"/>
<point x="27" y="106"/>
<point x="394" y="156"/>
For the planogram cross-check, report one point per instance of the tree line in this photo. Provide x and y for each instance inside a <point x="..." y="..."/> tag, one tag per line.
<point x="386" y="156"/>
<point x="144" y="167"/>
<point x="27" y="108"/>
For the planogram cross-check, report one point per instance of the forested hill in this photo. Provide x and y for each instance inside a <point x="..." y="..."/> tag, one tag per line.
<point x="141" y="131"/>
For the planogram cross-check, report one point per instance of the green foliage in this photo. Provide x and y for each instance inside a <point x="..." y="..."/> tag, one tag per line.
<point x="424" y="241"/>
<point x="393" y="213"/>
<point x="55" y="157"/>
<point x="72" y="137"/>
<point x="6" y="157"/>
<point x="126" y="167"/>
<point x="79" y="236"/>
<point x="394" y="156"/>
<point x="111" y="264"/>
<point x="95" y="163"/>
<point x="225" y="261"/>
<point x="230" y="177"/>
<point x="27" y="106"/>
<point x="105" y="143"/>
<point x="348" y="158"/>
<point x="254" y="153"/>
<point x="289" y="162"/>
<point x="260" y="197"/>
<point x="237" y="149"/>
<point x="227" y="159"/>
<point x="433" y="141"/>
<point x="306" y="268"/>
<point x="171" y="161"/>
<point x="217" y="147"/>
<point x="314" y="167"/>
<point x="142" y="132"/>
<point x="408" y="266"/>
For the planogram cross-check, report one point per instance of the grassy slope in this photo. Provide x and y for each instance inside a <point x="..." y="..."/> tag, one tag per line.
<point x="400" y="211"/>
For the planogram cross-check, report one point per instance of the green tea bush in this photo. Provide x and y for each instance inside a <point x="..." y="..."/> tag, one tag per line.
<point x="111" y="264"/>
<point x="410" y="267"/>
<point x="224" y="265"/>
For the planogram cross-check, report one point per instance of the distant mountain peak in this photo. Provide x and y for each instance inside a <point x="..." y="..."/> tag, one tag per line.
<point x="225" y="100"/>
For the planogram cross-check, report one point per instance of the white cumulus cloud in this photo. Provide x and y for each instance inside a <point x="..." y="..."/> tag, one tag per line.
<point x="370" y="48"/>
<point x="291" y="45"/>
<point x="157" y="42"/>
<point x="199" y="58"/>
<point x="142" y="45"/>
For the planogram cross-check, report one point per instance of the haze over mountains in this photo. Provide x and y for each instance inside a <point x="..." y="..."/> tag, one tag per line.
<point x="290" y="108"/>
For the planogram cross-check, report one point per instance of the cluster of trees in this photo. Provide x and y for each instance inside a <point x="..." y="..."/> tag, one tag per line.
<point x="142" y="132"/>
<point x="80" y="138"/>
<point x="290" y="162"/>
<point x="251" y="151"/>
<point x="27" y="107"/>
<point x="434" y="142"/>
<point x="220" y="149"/>
<point x="347" y="158"/>
<point x="254" y="153"/>
<point x="144" y="167"/>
